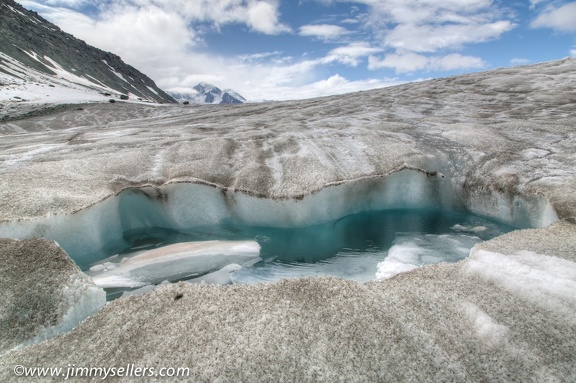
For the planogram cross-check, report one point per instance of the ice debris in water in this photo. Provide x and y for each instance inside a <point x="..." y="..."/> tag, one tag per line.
<point x="411" y="251"/>
<point x="177" y="261"/>
<point x="220" y="277"/>
<point x="469" y="229"/>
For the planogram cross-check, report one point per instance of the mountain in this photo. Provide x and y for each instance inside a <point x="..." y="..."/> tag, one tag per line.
<point x="33" y="50"/>
<point x="209" y="94"/>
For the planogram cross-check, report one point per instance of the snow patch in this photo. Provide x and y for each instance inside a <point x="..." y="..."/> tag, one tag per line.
<point x="485" y="327"/>
<point x="545" y="281"/>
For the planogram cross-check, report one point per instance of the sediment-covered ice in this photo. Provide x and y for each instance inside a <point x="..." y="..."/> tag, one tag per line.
<point x="173" y="262"/>
<point x="43" y="293"/>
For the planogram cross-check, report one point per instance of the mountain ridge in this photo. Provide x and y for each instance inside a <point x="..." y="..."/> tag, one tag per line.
<point x="207" y="93"/>
<point x="30" y="41"/>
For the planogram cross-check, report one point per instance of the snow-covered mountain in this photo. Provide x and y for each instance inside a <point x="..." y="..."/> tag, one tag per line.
<point x="39" y="62"/>
<point x="209" y="94"/>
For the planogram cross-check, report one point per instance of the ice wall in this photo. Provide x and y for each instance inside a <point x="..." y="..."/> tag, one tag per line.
<point x="188" y="205"/>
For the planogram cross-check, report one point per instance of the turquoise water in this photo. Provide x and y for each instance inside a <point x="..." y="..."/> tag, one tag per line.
<point x="350" y="247"/>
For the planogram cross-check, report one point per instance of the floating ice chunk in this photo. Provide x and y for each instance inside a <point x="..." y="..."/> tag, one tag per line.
<point x="176" y="261"/>
<point x="220" y="277"/>
<point x="469" y="229"/>
<point x="111" y="281"/>
<point x="414" y="250"/>
<point x="400" y="259"/>
<point x="143" y="290"/>
<point x="103" y="267"/>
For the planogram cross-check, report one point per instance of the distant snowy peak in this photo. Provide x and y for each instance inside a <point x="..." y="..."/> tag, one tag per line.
<point x="232" y="97"/>
<point x="33" y="50"/>
<point x="209" y="94"/>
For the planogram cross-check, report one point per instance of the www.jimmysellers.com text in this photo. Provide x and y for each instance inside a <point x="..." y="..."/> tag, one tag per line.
<point x="128" y="371"/>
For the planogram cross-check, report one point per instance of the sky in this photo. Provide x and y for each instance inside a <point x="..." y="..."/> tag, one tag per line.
<point x="296" y="49"/>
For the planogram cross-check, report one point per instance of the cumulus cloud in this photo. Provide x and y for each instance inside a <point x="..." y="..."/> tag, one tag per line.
<point x="350" y="54"/>
<point x="562" y="18"/>
<point x="432" y="25"/>
<point x="140" y="35"/>
<point x="260" y="15"/>
<point x="263" y="17"/>
<point x="431" y="38"/>
<point x="407" y="62"/>
<point x="520" y="61"/>
<point x="323" y="31"/>
<point x="335" y="84"/>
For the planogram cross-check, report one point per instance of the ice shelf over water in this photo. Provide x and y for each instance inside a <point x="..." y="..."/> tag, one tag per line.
<point x="499" y="144"/>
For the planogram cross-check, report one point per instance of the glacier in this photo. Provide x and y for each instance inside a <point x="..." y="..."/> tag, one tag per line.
<point x="499" y="144"/>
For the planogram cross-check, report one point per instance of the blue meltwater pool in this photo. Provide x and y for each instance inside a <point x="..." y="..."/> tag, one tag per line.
<point x="365" y="246"/>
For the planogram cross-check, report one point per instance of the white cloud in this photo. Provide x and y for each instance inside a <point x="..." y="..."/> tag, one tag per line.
<point x="432" y="25"/>
<point x="573" y="52"/>
<point x="350" y="54"/>
<point x="263" y="17"/>
<point x="561" y="19"/>
<point x="140" y="35"/>
<point x="66" y="3"/>
<point x="335" y="84"/>
<point x="258" y="57"/>
<point x="323" y="31"/>
<point x="520" y="61"/>
<point x="431" y="38"/>
<point x="260" y="15"/>
<point x="407" y="62"/>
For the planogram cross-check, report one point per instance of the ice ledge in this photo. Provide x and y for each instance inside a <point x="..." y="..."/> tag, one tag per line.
<point x="187" y="205"/>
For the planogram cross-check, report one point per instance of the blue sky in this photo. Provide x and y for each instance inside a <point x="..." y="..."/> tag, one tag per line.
<point x="294" y="49"/>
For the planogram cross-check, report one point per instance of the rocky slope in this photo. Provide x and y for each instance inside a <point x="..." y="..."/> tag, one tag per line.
<point x="29" y="41"/>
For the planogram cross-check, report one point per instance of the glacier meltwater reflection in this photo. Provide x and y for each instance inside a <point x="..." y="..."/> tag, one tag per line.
<point x="363" y="246"/>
